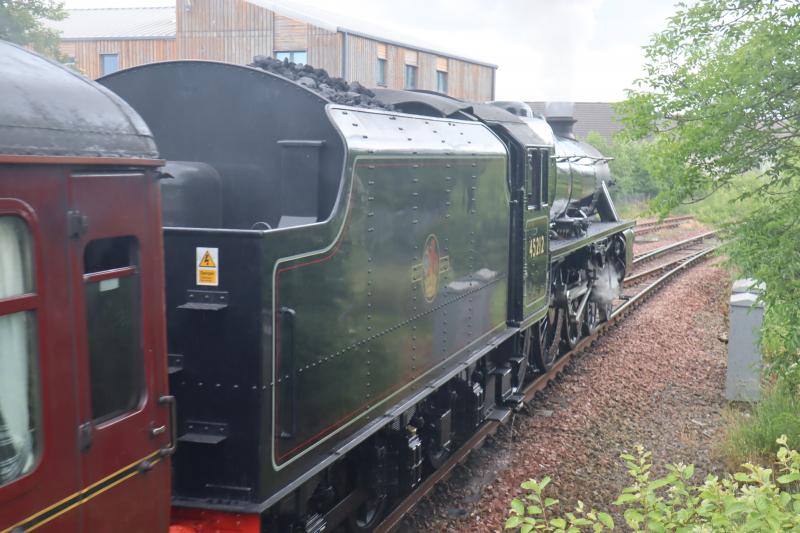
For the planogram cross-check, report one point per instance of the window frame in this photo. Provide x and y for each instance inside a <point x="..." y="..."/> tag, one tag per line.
<point x="291" y="55"/>
<point x="442" y="74"/>
<point x="30" y="302"/>
<point x="380" y="74"/>
<point x="537" y="193"/>
<point x="102" y="62"/>
<point x="87" y="278"/>
<point x="415" y="70"/>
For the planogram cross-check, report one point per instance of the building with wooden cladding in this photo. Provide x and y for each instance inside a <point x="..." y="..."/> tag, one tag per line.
<point x="100" y="41"/>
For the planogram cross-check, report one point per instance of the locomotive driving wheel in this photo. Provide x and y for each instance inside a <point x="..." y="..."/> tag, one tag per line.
<point x="544" y="349"/>
<point x="596" y="313"/>
<point x="573" y="323"/>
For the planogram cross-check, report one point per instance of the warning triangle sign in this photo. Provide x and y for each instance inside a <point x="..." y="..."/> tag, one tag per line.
<point x="207" y="261"/>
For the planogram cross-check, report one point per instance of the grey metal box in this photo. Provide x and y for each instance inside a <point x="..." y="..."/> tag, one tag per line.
<point x="744" y="353"/>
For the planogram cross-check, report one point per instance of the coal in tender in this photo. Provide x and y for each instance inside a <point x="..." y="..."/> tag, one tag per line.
<point x="336" y="90"/>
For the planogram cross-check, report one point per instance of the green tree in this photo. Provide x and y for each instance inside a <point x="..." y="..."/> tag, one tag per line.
<point x="629" y="166"/>
<point x="721" y="98"/>
<point x="22" y="22"/>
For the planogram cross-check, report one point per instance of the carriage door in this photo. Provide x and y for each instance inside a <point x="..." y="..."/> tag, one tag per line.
<point x="120" y="345"/>
<point x="536" y="228"/>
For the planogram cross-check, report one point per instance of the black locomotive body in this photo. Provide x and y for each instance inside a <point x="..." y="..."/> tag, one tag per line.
<point x="352" y="292"/>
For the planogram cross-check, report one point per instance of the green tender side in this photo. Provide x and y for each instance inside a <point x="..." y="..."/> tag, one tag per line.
<point x="415" y="274"/>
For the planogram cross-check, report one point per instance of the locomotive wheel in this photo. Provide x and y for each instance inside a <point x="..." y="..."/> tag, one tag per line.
<point x="596" y="314"/>
<point x="368" y="515"/>
<point x="573" y="329"/>
<point x="544" y="351"/>
<point x="605" y="311"/>
<point x="437" y="456"/>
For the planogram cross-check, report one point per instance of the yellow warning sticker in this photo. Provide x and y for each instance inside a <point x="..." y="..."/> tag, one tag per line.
<point x="207" y="277"/>
<point x="207" y="261"/>
<point x="207" y="266"/>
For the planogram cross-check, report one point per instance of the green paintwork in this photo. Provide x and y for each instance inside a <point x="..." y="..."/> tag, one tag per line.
<point x="536" y="245"/>
<point x="364" y="329"/>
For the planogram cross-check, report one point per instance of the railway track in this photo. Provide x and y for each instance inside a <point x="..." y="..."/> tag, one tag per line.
<point x="672" y="269"/>
<point x="658" y="252"/>
<point x="656" y="225"/>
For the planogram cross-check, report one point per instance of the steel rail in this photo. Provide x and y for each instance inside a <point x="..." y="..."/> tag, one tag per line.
<point x="649" y="227"/>
<point x="674" y="246"/>
<point x="656" y="222"/>
<point x="650" y="271"/>
<point x="393" y="520"/>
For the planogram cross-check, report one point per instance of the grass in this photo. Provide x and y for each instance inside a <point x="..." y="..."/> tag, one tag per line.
<point x="752" y="431"/>
<point x="633" y="209"/>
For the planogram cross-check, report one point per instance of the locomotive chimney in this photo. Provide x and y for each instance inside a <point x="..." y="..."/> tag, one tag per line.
<point x="560" y="116"/>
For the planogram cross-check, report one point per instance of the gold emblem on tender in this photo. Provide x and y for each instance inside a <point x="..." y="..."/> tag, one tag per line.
<point x="429" y="271"/>
<point x="430" y="268"/>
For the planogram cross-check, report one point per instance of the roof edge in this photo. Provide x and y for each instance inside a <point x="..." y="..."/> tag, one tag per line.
<point x="296" y="13"/>
<point x="121" y="8"/>
<point x="423" y="49"/>
<point x="118" y="38"/>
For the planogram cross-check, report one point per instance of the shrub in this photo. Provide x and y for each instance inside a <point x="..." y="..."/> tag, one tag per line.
<point x="753" y="499"/>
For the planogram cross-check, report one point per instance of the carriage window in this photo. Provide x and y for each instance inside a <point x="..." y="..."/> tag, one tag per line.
<point x="116" y="365"/>
<point x="20" y="431"/>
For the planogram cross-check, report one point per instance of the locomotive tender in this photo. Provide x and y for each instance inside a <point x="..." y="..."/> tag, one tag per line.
<point x="350" y="292"/>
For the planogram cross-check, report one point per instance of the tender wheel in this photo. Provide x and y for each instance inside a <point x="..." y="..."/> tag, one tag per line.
<point x="544" y="351"/>
<point x="437" y="456"/>
<point x="368" y="515"/>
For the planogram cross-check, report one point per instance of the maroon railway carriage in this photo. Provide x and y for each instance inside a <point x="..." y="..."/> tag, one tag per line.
<point x="85" y="429"/>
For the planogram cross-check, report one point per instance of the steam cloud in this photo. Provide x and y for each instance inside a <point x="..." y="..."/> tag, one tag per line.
<point x="606" y="286"/>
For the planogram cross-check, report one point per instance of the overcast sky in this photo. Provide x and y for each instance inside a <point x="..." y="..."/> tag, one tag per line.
<point x="579" y="50"/>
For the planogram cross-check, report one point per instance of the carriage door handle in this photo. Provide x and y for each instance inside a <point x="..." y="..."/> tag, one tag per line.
<point x="173" y="426"/>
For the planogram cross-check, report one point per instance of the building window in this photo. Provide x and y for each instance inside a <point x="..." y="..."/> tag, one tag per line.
<point x="20" y="432"/>
<point x="111" y="288"/>
<point x="109" y="63"/>
<point x="381" y="75"/>
<point x="441" y="81"/>
<point x="411" y="77"/>
<point x="299" y="57"/>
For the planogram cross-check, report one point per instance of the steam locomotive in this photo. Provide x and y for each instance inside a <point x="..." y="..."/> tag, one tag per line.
<point x="350" y="292"/>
